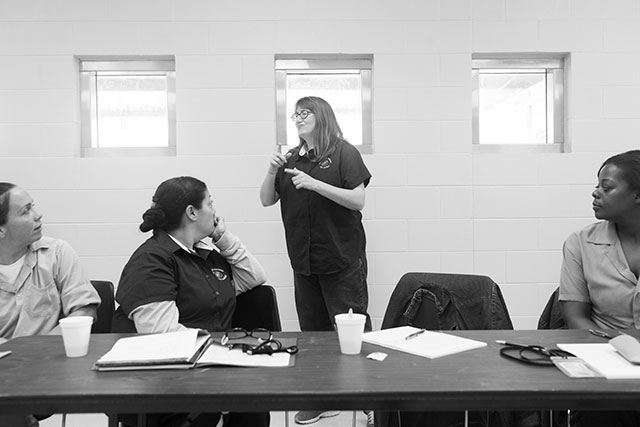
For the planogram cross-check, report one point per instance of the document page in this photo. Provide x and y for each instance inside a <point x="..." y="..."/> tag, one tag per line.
<point x="604" y="359"/>
<point x="429" y="344"/>
<point x="217" y="354"/>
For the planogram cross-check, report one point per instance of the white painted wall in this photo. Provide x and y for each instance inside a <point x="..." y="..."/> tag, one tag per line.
<point x="432" y="204"/>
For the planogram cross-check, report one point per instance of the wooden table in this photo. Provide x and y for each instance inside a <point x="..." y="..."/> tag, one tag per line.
<point x="38" y="378"/>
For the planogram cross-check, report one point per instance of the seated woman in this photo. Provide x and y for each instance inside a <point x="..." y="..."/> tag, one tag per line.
<point x="40" y="279"/>
<point x="175" y="280"/>
<point x="601" y="267"/>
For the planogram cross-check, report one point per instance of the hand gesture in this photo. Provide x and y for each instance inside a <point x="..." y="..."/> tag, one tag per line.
<point x="219" y="228"/>
<point x="301" y="179"/>
<point x="277" y="161"/>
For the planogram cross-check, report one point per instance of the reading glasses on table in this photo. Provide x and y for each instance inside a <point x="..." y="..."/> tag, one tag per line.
<point x="260" y="334"/>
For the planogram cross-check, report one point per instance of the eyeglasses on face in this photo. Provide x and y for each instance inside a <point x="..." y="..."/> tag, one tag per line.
<point x="302" y="114"/>
<point x="260" y="334"/>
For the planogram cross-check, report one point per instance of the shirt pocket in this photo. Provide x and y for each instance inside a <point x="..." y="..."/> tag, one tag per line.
<point x="42" y="302"/>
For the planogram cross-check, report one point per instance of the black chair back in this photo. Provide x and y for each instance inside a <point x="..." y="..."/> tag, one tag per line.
<point x="257" y="308"/>
<point x="105" y="311"/>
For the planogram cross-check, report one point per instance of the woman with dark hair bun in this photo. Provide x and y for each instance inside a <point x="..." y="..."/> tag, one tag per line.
<point x="175" y="280"/>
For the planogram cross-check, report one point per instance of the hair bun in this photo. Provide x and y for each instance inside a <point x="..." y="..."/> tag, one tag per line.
<point x="153" y="218"/>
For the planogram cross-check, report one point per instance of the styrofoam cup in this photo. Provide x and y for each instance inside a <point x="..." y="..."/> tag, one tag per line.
<point x="76" y="331"/>
<point x="350" y="328"/>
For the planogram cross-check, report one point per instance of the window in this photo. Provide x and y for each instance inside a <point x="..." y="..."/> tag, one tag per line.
<point x="518" y="101"/>
<point x="344" y="81"/>
<point x="127" y="106"/>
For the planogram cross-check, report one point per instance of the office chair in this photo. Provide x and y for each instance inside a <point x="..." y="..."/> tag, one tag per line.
<point x="441" y="301"/>
<point x="106" y="309"/>
<point x="257" y="308"/>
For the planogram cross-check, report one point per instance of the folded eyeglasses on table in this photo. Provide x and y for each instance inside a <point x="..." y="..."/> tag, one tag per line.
<point x="255" y="341"/>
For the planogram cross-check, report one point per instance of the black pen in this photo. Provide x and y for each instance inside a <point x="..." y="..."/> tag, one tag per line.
<point x="415" y="334"/>
<point x="600" y="333"/>
<point x="503" y="342"/>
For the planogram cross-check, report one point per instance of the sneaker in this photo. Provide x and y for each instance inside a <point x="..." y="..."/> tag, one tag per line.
<point x="370" y="419"/>
<point x="310" y="417"/>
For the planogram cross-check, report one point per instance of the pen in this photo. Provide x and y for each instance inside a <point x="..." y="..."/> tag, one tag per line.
<point x="503" y="342"/>
<point x="415" y="334"/>
<point x="600" y="333"/>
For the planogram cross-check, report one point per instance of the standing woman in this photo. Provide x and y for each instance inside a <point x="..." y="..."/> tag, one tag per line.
<point x="600" y="276"/>
<point x="320" y="185"/>
<point x="175" y="280"/>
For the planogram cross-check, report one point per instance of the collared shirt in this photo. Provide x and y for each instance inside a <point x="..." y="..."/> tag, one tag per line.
<point x="170" y="287"/>
<point x="595" y="270"/>
<point x="50" y="286"/>
<point x="322" y="236"/>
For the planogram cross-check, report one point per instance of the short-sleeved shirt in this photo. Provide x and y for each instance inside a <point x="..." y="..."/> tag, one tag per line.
<point x="200" y="283"/>
<point x="50" y="286"/>
<point x="322" y="236"/>
<point x="595" y="270"/>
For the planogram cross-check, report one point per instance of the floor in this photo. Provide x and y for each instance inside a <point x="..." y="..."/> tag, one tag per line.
<point x="277" y="420"/>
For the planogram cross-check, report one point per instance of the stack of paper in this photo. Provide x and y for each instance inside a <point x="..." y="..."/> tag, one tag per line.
<point x="604" y="359"/>
<point x="171" y="350"/>
<point x="427" y="344"/>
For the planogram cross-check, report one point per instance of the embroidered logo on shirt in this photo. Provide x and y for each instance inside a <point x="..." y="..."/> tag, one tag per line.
<point x="326" y="163"/>
<point x="219" y="273"/>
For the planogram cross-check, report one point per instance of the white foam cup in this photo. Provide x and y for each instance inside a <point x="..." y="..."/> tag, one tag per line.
<point x="76" y="331"/>
<point x="350" y="328"/>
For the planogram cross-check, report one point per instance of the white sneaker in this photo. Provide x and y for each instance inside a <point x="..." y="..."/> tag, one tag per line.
<point x="310" y="417"/>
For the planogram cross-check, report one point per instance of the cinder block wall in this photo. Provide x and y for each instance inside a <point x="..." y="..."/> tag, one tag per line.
<point x="433" y="205"/>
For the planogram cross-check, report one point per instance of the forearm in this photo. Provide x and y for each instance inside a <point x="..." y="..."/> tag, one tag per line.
<point x="157" y="317"/>
<point x="247" y="271"/>
<point x="577" y="315"/>
<point x="268" y="194"/>
<point x="348" y="198"/>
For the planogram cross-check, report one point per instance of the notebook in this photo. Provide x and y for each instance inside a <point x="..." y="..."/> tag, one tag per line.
<point x="428" y="344"/>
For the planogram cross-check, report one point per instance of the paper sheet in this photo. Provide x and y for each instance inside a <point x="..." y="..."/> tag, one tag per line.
<point x="428" y="344"/>
<point x="604" y="359"/>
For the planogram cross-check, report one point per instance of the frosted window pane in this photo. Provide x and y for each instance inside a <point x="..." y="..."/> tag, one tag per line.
<point x="132" y="111"/>
<point x="512" y="108"/>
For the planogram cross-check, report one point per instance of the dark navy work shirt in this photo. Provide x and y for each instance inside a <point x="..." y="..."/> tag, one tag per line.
<point x="322" y="236"/>
<point x="199" y="283"/>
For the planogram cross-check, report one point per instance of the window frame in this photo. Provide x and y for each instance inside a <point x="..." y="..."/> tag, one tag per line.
<point x="89" y="67"/>
<point x="553" y="65"/>
<point x="361" y="64"/>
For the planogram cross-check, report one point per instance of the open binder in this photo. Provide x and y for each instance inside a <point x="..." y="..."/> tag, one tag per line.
<point x="186" y="349"/>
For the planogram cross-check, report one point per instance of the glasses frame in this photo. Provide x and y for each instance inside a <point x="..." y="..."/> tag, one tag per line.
<point x="302" y="115"/>
<point x="225" y="338"/>
<point x="268" y="347"/>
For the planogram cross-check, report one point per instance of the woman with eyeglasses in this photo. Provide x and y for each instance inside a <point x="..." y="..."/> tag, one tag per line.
<point x="321" y="188"/>
<point x="177" y="280"/>
<point x="600" y="274"/>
